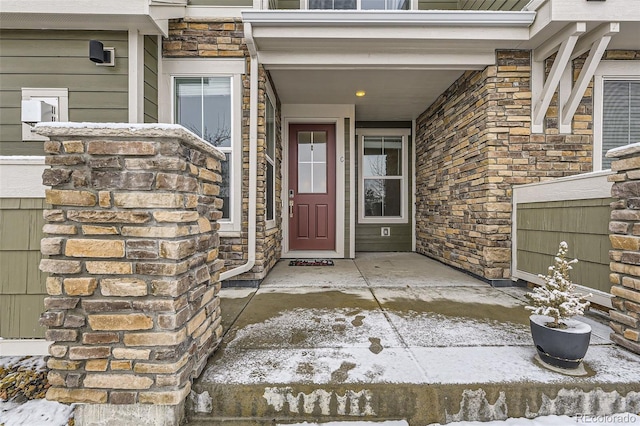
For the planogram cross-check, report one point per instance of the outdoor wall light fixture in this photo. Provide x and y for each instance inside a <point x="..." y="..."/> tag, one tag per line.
<point x="360" y="93"/>
<point x="104" y="56"/>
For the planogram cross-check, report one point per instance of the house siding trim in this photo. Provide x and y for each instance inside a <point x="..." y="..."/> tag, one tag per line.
<point x="21" y="176"/>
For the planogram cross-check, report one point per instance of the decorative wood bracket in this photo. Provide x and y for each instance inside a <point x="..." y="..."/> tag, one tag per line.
<point x="596" y="42"/>
<point x="541" y="94"/>
<point x="569" y="43"/>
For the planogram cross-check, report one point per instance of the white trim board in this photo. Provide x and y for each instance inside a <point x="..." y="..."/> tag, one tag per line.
<point x="21" y="177"/>
<point x="305" y="113"/>
<point x="579" y="187"/>
<point x="24" y="347"/>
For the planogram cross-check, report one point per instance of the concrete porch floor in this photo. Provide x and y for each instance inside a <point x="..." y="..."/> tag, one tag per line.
<point x="393" y="336"/>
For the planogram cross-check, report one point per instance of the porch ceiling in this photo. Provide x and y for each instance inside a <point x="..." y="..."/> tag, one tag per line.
<point x="391" y="95"/>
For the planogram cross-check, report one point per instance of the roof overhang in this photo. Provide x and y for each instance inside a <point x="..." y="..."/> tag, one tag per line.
<point x="402" y="59"/>
<point x="379" y="38"/>
<point x="146" y="16"/>
<point x="553" y="16"/>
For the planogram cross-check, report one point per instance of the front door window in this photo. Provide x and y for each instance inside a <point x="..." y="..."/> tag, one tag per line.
<point x="312" y="162"/>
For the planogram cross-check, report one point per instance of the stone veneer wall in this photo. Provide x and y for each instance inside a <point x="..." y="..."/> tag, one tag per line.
<point x="225" y="39"/>
<point x="132" y="256"/>
<point x="624" y="231"/>
<point x="472" y="145"/>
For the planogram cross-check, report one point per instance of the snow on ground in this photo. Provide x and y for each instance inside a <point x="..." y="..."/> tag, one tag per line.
<point x="35" y="363"/>
<point x="37" y="412"/>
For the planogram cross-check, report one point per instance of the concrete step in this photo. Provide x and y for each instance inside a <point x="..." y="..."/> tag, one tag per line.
<point x="519" y="392"/>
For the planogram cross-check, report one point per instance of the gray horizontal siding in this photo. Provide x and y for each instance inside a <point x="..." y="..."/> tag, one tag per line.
<point x="583" y="224"/>
<point x="59" y="59"/>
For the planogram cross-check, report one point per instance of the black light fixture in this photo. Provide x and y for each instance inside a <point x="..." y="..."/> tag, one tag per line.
<point x="101" y="55"/>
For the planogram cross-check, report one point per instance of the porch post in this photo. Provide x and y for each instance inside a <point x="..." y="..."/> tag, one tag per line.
<point x="132" y="256"/>
<point x="624" y="229"/>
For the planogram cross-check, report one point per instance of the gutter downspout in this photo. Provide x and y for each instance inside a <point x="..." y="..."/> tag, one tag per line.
<point x="253" y="159"/>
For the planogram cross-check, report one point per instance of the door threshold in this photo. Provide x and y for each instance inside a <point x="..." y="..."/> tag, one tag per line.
<point x="312" y="254"/>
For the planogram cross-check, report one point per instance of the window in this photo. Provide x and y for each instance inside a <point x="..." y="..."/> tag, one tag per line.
<point x="203" y="105"/>
<point x="359" y="4"/>
<point x="383" y="176"/>
<point x="205" y="96"/>
<point x="616" y="108"/>
<point x="620" y="115"/>
<point x="271" y="164"/>
<point x="385" y="4"/>
<point x="332" y="4"/>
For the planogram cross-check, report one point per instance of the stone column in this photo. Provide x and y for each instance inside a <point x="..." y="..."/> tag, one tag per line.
<point x="131" y="250"/>
<point x="624" y="229"/>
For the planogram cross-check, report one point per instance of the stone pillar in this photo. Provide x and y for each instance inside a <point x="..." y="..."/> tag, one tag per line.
<point x="131" y="250"/>
<point x="624" y="229"/>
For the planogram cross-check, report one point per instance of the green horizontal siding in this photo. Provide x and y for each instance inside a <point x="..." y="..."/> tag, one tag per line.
<point x="368" y="237"/>
<point x="19" y="315"/>
<point x="22" y="285"/>
<point x="59" y="59"/>
<point x="583" y="224"/>
<point x="150" y="79"/>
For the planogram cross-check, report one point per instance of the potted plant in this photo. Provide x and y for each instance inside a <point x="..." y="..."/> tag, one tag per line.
<point x="560" y="340"/>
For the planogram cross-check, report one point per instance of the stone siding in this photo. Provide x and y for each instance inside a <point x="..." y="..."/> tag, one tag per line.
<point x="472" y="145"/>
<point x="624" y="229"/>
<point x="225" y="39"/>
<point x="131" y="250"/>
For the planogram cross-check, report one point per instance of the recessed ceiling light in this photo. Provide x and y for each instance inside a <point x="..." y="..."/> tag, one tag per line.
<point x="360" y="93"/>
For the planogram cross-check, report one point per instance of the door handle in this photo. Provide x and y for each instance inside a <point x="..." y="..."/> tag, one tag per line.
<point x="290" y="208"/>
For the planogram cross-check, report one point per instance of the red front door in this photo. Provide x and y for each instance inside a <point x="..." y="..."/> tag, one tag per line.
<point x="312" y="187"/>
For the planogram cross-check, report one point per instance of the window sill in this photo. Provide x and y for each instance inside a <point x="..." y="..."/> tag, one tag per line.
<point x="383" y="221"/>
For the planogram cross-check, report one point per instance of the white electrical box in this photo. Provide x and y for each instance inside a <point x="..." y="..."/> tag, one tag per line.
<point x="36" y="110"/>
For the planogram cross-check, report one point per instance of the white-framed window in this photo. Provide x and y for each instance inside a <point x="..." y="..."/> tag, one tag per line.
<point x="359" y="4"/>
<point x="270" y="172"/>
<point x="205" y="96"/>
<point x="383" y="175"/>
<point x="616" y="108"/>
<point x="620" y="115"/>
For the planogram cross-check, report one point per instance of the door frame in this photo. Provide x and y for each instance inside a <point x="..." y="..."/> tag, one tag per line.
<point x="329" y="114"/>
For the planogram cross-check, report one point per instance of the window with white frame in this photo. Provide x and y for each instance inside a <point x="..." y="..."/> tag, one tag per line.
<point x="383" y="175"/>
<point x="271" y="163"/>
<point x="620" y="115"/>
<point x="203" y="105"/>
<point x="360" y="4"/>
<point x="205" y="96"/>
<point x="616" y="108"/>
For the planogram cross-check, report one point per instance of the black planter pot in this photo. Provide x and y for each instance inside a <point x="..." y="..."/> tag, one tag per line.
<point x="564" y="348"/>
